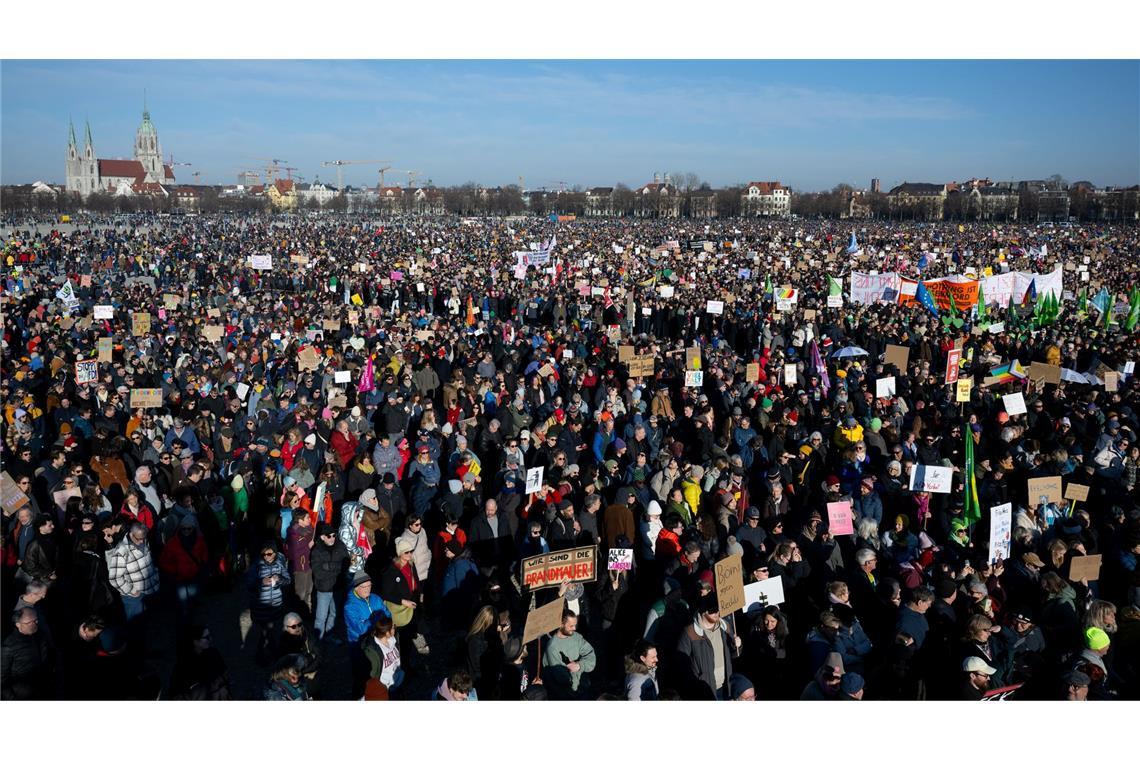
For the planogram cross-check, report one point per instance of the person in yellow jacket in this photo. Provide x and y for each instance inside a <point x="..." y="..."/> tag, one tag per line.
<point x="1053" y="354"/>
<point x="848" y="434"/>
<point x="691" y="488"/>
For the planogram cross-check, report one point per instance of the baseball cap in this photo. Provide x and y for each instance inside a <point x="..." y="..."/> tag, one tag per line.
<point x="977" y="665"/>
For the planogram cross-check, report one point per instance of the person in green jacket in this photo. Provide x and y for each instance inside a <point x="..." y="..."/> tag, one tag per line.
<point x="567" y="658"/>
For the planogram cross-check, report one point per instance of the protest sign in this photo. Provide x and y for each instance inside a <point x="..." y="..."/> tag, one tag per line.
<point x="11" y="497"/>
<point x="789" y="374"/>
<point x="543" y="620"/>
<point x="63" y="496"/>
<point x="613" y="332"/>
<point x="693" y="358"/>
<point x="104" y="311"/>
<point x="1076" y="492"/>
<point x="213" y="333"/>
<point x="963" y="388"/>
<point x="834" y="302"/>
<point x="534" y="479"/>
<point x="146" y="398"/>
<point x="106" y="350"/>
<point x="625" y="353"/>
<point x="1014" y="403"/>
<point x="261" y="262"/>
<point x="620" y="559"/>
<point x="930" y="478"/>
<point x="1047" y="488"/>
<point x="1085" y="568"/>
<point x="839" y="518"/>
<point x="1001" y="525"/>
<point x="898" y="356"/>
<point x="308" y="358"/>
<point x="242" y="390"/>
<point x="1043" y="371"/>
<point x="640" y="366"/>
<point x="342" y="376"/>
<point x="714" y="307"/>
<point x="763" y="594"/>
<point x="332" y="325"/>
<point x="1111" y="381"/>
<point x="884" y="387"/>
<point x="140" y="324"/>
<point x="577" y="565"/>
<point x="86" y="371"/>
<point x="752" y="372"/>
<point x="694" y="379"/>
<point x="953" y="357"/>
<point x="171" y="301"/>
<point x="729" y="574"/>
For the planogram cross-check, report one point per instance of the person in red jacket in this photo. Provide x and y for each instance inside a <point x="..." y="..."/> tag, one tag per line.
<point x="450" y="531"/>
<point x="669" y="540"/>
<point x="183" y="560"/>
<point x="344" y="443"/>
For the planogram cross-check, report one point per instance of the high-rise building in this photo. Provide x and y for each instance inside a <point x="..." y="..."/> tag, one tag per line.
<point x="875" y="188"/>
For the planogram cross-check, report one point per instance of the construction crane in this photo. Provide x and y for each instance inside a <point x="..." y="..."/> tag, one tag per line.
<point x="340" y="164"/>
<point x="289" y="171"/>
<point x="412" y="178"/>
<point x="381" y="170"/>
<point x="196" y="176"/>
<point x="271" y="167"/>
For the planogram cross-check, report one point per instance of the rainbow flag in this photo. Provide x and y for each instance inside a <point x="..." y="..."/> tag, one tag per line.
<point x="1007" y="373"/>
<point x="786" y="293"/>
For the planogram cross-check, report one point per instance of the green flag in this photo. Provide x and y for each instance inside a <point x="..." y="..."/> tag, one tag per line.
<point x="981" y="304"/>
<point x="1133" y="310"/>
<point x="834" y="287"/>
<point x="1083" y="301"/>
<point x="970" y="505"/>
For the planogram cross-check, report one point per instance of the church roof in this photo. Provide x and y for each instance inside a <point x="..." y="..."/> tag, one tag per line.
<point x="114" y="167"/>
<point x="167" y="171"/>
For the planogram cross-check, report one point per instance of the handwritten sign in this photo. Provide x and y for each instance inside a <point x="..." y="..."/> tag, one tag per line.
<point x="640" y="366"/>
<point x="332" y="325"/>
<point x="140" y="324"/>
<point x="170" y="301"/>
<point x="1043" y="371"/>
<point x="261" y="262"/>
<point x="11" y="497"/>
<point x="884" y="387"/>
<point x="146" y="398"/>
<point x="534" y="479"/>
<point x="104" y="311"/>
<point x="714" y="307"/>
<point x="1076" y="492"/>
<point x="953" y="357"/>
<point x="342" y="376"/>
<point x="625" y="353"/>
<point x="1112" y="381"/>
<point x="789" y="374"/>
<point x="543" y="620"/>
<point x="834" y="302"/>
<point x="1047" y="488"/>
<point x="762" y="594"/>
<point x="1085" y="568"/>
<point x="577" y="565"/>
<point x="213" y="333"/>
<point x="839" y="519"/>
<point x="106" y="350"/>
<point x="1014" y="403"/>
<point x="86" y="371"/>
<point x="694" y="379"/>
<point x="620" y="559"/>
<point x="693" y="358"/>
<point x="308" y="358"/>
<point x="963" y="388"/>
<point x="729" y="573"/>
<point x="931" y="479"/>
<point x="752" y="372"/>
<point x="1001" y="527"/>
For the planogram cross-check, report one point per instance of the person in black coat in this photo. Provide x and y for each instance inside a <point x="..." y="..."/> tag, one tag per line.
<point x="26" y="660"/>
<point x="328" y="558"/>
<point x="490" y="538"/>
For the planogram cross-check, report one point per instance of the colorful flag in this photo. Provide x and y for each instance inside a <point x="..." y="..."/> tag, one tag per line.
<point x="970" y="505"/>
<point x="1083" y="301"/>
<point x="470" y="312"/>
<point x="1030" y="293"/>
<point x="922" y="295"/>
<point x="1133" y="310"/>
<point x="853" y="246"/>
<point x="367" y="382"/>
<point x="1102" y="300"/>
<point x="834" y="287"/>
<point x="820" y="368"/>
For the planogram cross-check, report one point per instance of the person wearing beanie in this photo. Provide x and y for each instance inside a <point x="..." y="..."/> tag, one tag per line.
<point x="329" y="560"/>
<point x="648" y="529"/>
<point x="851" y="686"/>
<point x="740" y="689"/>
<point x="1091" y="662"/>
<point x="362" y="608"/>
<point x="704" y="653"/>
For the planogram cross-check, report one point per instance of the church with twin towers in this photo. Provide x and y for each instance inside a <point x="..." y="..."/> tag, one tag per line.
<point x="87" y="174"/>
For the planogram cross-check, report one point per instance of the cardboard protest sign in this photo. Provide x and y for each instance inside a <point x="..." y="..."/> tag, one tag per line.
<point x="763" y="594"/>
<point x="1085" y="568"/>
<point x="11" y="497"/>
<point x="146" y="398"/>
<point x="545" y="370"/>
<point x="1043" y="371"/>
<point x="332" y="325"/>
<point x="898" y="356"/>
<point x="551" y="569"/>
<point x="1112" y="381"/>
<point x="214" y="313"/>
<point x="86" y="371"/>
<point x="1048" y="488"/>
<point x="1001" y="526"/>
<point x="884" y="387"/>
<point x="1076" y="492"/>
<point x="729" y="573"/>
<point x="299" y="259"/>
<point x="213" y="333"/>
<point x="752" y="372"/>
<point x="106" y="350"/>
<point x="620" y="559"/>
<point x="693" y="358"/>
<point x="931" y="479"/>
<point x="640" y="366"/>
<point x="714" y="307"/>
<point x="625" y="353"/>
<point x="613" y="333"/>
<point x="534" y="479"/>
<point x="62" y="497"/>
<point x="953" y="356"/>
<point x="342" y="376"/>
<point x="104" y="311"/>
<point x="308" y="358"/>
<point x="839" y="519"/>
<point x="963" y="388"/>
<point x="170" y="301"/>
<point x="140" y="324"/>
<point x="543" y="620"/>
<point x="694" y="379"/>
<point x="1014" y="403"/>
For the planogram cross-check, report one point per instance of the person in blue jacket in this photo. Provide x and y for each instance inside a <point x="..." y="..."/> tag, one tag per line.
<point x="362" y="608"/>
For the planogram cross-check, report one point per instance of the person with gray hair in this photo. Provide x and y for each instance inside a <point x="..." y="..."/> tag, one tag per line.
<point x="296" y="640"/>
<point x="131" y="570"/>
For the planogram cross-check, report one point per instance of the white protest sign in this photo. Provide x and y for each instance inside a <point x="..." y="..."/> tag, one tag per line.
<point x="342" y="376"/>
<point x="931" y="479"/>
<point x="714" y="307"/>
<point x="834" y="302"/>
<point x="86" y="371"/>
<point x="262" y="262"/>
<point x="620" y="559"/>
<point x="884" y="387"/>
<point x="534" y="479"/>
<point x="1014" y="403"/>
<point x="242" y="391"/>
<point x="763" y="594"/>
<point x="694" y="378"/>
<point x="104" y="311"/>
<point x="789" y="374"/>
<point x="1001" y="526"/>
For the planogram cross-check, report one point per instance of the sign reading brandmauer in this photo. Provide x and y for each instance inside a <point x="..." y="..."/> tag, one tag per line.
<point x="1048" y="488"/>
<point x="578" y="565"/>
<point x="146" y="398"/>
<point x="729" y="575"/>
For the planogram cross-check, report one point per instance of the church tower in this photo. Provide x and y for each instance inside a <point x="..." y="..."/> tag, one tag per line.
<point x="81" y="167"/>
<point x="147" y="150"/>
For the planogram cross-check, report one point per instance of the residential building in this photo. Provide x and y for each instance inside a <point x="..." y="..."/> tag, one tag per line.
<point x="658" y="199"/>
<point x="766" y="199"/>
<point x="599" y="201"/>
<point x="995" y="203"/>
<point x="1053" y="206"/>
<point x="702" y="204"/>
<point x="917" y="200"/>
<point x="282" y="194"/>
<point x="315" y="191"/>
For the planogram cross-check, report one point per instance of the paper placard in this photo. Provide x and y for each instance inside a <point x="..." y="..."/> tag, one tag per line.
<point x="714" y="307"/>
<point x="62" y="497"/>
<point x="953" y="357"/>
<point x="997" y="327"/>
<point x="342" y="376"/>
<point x="1043" y="371"/>
<point x="729" y="574"/>
<point x="551" y="569"/>
<point x="1048" y="488"/>
<point x="931" y="479"/>
<point x="752" y="372"/>
<point x="839" y="519"/>
<point x="789" y="374"/>
<point x="834" y="302"/>
<point x="625" y="353"/>
<point x="214" y="313"/>
<point x="11" y="497"/>
<point x="106" y="350"/>
<point x="86" y="371"/>
<point x="534" y="479"/>
<point x="261" y="262"/>
<point x="898" y="356"/>
<point x="1085" y="568"/>
<point x="1001" y="526"/>
<point x="308" y="358"/>
<point x="1076" y="492"/>
<point x="171" y="301"/>
<point x="640" y="366"/>
<point x="140" y="324"/>
<point x="213" y="333"/>
<point x="884" y="387"/>
<point x="763" y="594"/>
<point x="332" y="325"/>
<point x="620" y="559"/>
<point x="693" y="358"/>
<point x="665" y="291"/>
<point x="1014" y="403"/>
<point x="146" y="398"/>
<point x="1112" y="381"/>
<point x="242" y="390"/>
<point x="694" y="378"/>
<point x="104" y="311"/>
<point x="543" y="620"/>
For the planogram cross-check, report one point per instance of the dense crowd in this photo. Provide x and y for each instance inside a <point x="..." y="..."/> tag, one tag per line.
<point x="342" y="441"/>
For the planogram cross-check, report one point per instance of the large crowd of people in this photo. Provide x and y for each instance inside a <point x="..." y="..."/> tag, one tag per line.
<point x="344" y="414"/>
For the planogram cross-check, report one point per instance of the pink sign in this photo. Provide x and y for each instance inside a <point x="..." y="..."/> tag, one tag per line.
<point x="395" y="275"/>
<point x="839" y="518"/>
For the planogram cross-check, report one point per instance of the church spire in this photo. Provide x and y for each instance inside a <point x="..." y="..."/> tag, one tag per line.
<point x="87" y="140"/>
<point x="70" y="133"/>
<point x="146" y="111"/>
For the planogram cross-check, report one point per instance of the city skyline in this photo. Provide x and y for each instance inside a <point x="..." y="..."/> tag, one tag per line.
<point x="590" y="122"/>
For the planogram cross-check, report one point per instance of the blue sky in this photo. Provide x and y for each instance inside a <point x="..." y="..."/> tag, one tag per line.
<point x="808" y="124"/>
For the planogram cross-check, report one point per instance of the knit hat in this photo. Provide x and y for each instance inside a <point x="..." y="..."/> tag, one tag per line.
<point x="737" y="685"/>
<point x="876" y="424"/>
<point x="1096" y="639"/>
<point x="851" y="684"/>
<point x="403" y="545"/>
<point x="368" y="499"/>
<point x="311" y="438"/>
<point x="360" y="577"/>
<point x="654" y="508"/>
